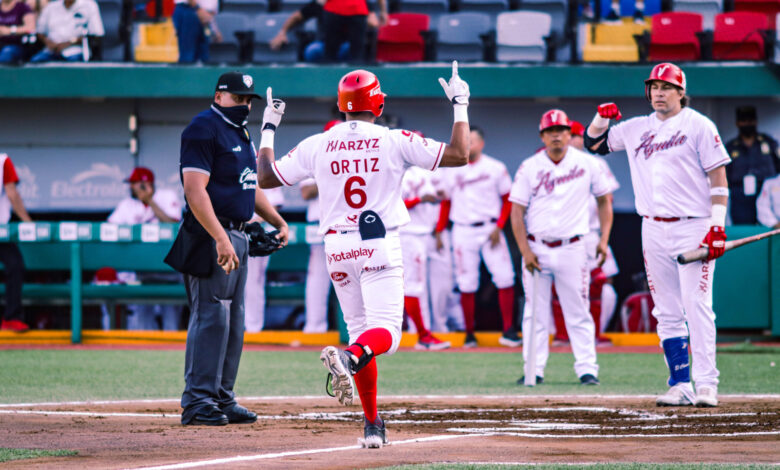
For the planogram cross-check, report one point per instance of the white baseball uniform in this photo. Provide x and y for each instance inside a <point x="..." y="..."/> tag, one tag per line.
<point x="317" y="279"/>
<point x="359" y="166"/>
<point x="476" y="191"/>
<point x="556" y="196"/>
<point x="133" y="211"/>
<point x="768" y="202"/>
<point x="669" y="161"/>
<point x="254" y="292"/>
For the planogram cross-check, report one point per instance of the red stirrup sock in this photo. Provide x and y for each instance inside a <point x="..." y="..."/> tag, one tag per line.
<point x="413" y="310"/>
<point x="506" y="303"/>
<point x="379" y="340"/>
<point x="365" y="381"/>
<point x="468" y="303"/>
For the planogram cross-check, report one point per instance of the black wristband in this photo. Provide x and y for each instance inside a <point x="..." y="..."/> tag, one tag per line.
<point x="268" y="126"/>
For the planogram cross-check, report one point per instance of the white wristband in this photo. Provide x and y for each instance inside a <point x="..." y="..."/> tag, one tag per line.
<point x="267" y="139"/>
<point x="719" y="191"/>
<point x="600" y="122"/>
<point x="461" y="113"/>
<point x="718" y="217"/>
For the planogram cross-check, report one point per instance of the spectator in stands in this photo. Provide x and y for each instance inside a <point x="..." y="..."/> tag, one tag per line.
<point x="768" y="203"/>
<point x="315" y="50"/>
<point x="10" y="256"/>
<point x="347" y="21"/>
<point x="194" y="23"/>
<point x="37" y="6"/>
<point x="62" y="28"/>
<point x="16" y="20"/>
<point x="147" y="205"/>
<point x="754" y="158"/>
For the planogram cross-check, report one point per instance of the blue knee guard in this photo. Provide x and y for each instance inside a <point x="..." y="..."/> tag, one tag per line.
<point x="676" y="355"/>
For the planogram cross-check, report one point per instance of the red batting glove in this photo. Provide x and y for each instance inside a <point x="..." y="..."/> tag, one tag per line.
<point x="715" y="241"/>
<point x="609" y="111"/>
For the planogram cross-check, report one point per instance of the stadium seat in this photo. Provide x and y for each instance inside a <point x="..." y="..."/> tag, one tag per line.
<point x="157" y="43"/>
<point x="246" y="7"/>
<point x="521" y="36"/>
<point x="433" y="8"/>
<point x="768" y="7"/>
<point x="290" y="6"/>
<point x="673" y="37"/>
<point x="113" y="43"/>
<point x="401" y="39"/>
<point x="706" y="8"/>
<point x="460" y="36"/>
<point x="229" y="50"/>
<point x="493" y="7"/>
<point x="738" y="36"/>
<point x="613" y="42"/>
<point x="264" y="27"/>
<point x="557" y="9"/>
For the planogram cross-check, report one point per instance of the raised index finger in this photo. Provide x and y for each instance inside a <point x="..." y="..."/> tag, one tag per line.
<point x="269" y="98"/>
<point x="454" y="68"/>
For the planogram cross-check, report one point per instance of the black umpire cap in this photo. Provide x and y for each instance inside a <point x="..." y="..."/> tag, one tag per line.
<point x="237" y="83"/>
<point x="746" y="113"/>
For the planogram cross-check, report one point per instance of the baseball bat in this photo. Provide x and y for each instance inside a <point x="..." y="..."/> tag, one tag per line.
<point x="530" y="364"/>
<point x="701" y="253"/>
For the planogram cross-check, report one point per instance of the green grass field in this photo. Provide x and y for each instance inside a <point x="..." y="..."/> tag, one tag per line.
<point x="58" y="375"/>
<point x="7" y="454"/>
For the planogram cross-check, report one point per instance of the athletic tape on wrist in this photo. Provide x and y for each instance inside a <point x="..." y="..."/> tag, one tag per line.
<point x="719" y="191"/>
<point x="600" y="122"/>
<point x="461" y="113"/>
<point x="718" y="217"/>
<point x="267" y="139"/>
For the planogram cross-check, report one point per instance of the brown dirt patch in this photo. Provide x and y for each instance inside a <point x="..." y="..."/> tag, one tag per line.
<point x="521" y="429"/>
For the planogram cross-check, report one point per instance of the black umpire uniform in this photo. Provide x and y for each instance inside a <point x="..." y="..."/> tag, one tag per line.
<point x="216" y="143"/>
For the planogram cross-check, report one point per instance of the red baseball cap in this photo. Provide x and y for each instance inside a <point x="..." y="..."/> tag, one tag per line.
<point x="577" y="129"/>
<point x="141" y="173"/>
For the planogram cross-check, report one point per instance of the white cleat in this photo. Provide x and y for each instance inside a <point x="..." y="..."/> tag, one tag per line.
<point x="678" y="395"/>
<point x="706" y="397"/>
<point x="337" y="363"/>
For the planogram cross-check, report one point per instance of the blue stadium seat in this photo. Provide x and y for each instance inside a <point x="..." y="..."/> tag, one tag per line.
<point x="706" y="8"/>
<point x="484" y="6"/>
<point x="433" y="8"/>
<point x="265" y="26"/>
<point x="557" y="9"/>
<point x="459" y="36"/>
<point x="113" y="45"/>
<point x="246" y="7"/>
<point x="520" y="36"/>
<point x="229" y="50"/>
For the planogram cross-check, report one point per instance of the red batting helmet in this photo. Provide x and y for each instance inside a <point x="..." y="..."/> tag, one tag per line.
<point x="577" y="129"/>
<point x="359" y="91"/>
<point x="140" y="173"/>
<point x="553" y="118"/>
<point x="666" y="72"/>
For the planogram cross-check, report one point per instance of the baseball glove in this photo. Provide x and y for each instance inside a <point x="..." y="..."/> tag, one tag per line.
<point x="261" y="243"/>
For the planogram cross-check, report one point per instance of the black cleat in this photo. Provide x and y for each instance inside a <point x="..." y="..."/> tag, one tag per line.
<point x="589" y="379"/>
<point x="374" y="434"/>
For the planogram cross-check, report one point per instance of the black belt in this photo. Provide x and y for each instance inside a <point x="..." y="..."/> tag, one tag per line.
<point x="231" y="224"/>
<point x="480" y="224"/>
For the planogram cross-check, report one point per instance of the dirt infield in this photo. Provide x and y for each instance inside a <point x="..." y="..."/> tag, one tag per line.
<point x="316" y="433"/>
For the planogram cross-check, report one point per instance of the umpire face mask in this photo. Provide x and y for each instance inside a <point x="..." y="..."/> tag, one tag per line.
<point x="748" y="130"/>
<point x="236" y="114"/>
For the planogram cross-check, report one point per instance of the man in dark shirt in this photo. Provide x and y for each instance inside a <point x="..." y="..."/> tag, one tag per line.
<point x="219" y="174"/>
<point x="754" y="158"/>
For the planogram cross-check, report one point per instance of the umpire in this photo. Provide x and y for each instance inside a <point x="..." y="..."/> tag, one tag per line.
<point x="219" y="174"/>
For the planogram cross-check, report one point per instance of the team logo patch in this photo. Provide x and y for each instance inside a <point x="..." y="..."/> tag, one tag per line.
<point x="247" y="81"/>
<point x="353" y="125"/>
<point x="338" y="276"/>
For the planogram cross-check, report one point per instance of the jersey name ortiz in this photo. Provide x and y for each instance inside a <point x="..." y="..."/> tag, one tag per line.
<point x="358" y="166"/>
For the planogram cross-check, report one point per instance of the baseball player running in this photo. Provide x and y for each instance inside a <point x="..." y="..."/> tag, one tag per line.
<point x="358" y="167"/>
<point x="549" y="220"/>
<point x="417" y="239"/>
<point x="479" y="209"/>
<point x="677" y="163"/>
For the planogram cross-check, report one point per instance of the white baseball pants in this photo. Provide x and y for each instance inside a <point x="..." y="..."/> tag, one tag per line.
<point x="254" y="293"/>
<point x="472" y="243"/>
<point x="445" y="303"/>
<point x="317" y="290"/>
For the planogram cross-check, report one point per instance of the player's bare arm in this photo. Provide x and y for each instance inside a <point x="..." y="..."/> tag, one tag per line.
<point x="200" y="205"/>
<point x="16" y="202"/>
<point x="272" y="116"/>
<point x="269" y="213"/>
<point x="456" y="153"/>
<point x="521" y="238"/>
<point x="145" y="193"/>
<point x="309" y="192"/>
<point x="605" y="223"/>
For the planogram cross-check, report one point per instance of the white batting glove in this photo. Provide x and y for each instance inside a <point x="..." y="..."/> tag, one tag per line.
<point x="456" y="89"/>
<point x="272" y="115"/>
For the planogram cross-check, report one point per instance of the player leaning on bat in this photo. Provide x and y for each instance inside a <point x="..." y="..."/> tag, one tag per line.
<point x="677" y="164"/>
<point x="358" y="166"/>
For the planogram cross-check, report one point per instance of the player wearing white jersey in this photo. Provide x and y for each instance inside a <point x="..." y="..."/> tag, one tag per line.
<point x="479" y="209"/>
<point x="677" y="163"/>
<point x="768" y="203"/>
<point x="256" y="269"/>
<point x="420" y="198"/>
<point x="358" y="167"/>
<point x="550" y="219"/>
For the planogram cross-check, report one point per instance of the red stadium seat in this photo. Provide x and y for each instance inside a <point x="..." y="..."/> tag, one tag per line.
<point x="400" y="39"/>
<point x="768" y="7"/>
<point x="737" y="36"/>
<point x="673" y="37"/>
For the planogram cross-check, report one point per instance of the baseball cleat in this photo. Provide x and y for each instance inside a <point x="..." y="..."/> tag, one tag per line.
<point x="339" y="367"/>
<point x="680" y="394"/>
<point x="706" y="397"/>
<point x="471" y="341"/>
<point x="589" y="379"/>
<point x="510" y="339"/>
<point x="539" y="380"/>
<point x="374" y="434"/>
<point x="431" y="343"/>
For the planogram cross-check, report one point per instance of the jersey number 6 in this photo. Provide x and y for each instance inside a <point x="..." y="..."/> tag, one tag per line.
<point x="351" y="193"/>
